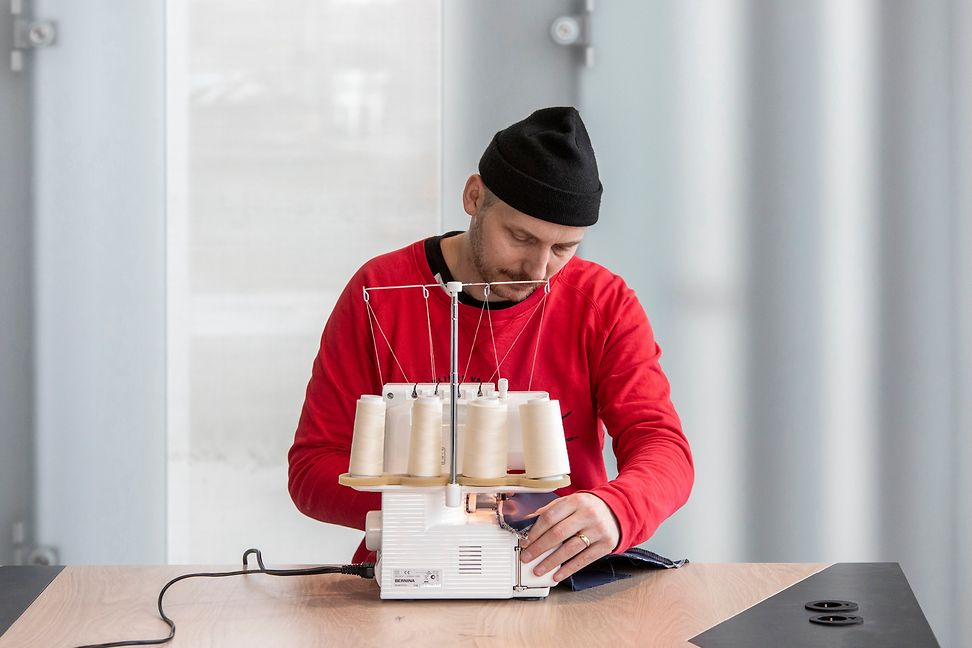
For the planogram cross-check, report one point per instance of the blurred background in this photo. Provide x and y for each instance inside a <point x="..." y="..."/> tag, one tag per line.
<point x="185" y="187"/>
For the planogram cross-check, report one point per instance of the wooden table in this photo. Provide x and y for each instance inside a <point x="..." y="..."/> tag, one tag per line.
<point x="656" y="608"/>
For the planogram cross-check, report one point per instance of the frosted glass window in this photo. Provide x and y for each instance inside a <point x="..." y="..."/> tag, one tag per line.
<point x="305" y="137"/>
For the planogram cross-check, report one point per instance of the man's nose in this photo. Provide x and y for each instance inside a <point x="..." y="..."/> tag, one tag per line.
<point x="536" y="265"/>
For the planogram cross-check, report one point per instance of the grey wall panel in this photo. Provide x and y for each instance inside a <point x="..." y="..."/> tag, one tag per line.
<point x="628" y="103"/>
<point x="16" y="439"/>
<point x="499" y="65"/>
<point x="664" y="106"/>
<point x="784" y="336"/>
<point x="916" y="357"/>
<point x="961" y="43"/>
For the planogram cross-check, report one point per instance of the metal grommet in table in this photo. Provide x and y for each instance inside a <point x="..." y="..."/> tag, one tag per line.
<point x="832" y="606"/>
<point x="837" y="619"/>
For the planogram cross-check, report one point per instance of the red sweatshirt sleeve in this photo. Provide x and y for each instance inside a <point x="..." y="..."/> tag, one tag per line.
<point x="654" y="459"/>
<point x="342" y="371"/>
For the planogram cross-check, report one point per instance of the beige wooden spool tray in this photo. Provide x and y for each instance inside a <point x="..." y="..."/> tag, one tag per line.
<point x="511" y="481"/>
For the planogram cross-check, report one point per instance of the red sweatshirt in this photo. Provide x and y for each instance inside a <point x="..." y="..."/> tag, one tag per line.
<point x="597" y="356"/>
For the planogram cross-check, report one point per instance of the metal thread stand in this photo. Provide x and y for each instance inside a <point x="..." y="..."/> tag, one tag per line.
<point x="453" y="489"/>
<point x="454" y="288"/>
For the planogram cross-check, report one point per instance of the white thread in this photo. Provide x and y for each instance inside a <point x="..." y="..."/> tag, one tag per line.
<point x="539" y="331"/>
<point x="492" y="336"/>
<point x="465" y="372"/>
<point x="544" y="446"/>
<point x="374" y="341"/>
<point x="486" y="444"/>
<point x="428" y="317"/>
<point x="425" y="443"/>
<point x="367" y="444"/>
<point x="513" y="343"/>
<point x="385" y="337"/>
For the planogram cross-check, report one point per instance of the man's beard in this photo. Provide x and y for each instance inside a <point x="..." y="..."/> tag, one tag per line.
<point x="513" y="293"/>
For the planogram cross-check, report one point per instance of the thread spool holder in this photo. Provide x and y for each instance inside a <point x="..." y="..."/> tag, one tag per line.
<point x="456" y="485"/>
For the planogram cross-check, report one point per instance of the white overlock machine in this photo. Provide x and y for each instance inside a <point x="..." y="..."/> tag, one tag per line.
<point x="445" y="463"/>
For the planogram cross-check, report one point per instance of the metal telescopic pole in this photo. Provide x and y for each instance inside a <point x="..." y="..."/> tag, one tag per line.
<point x="454" y="288"/>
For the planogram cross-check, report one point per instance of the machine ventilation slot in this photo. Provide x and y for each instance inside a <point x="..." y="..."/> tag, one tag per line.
<point x="470" y="559"/>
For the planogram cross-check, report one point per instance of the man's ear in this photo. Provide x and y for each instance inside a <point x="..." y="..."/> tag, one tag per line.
<point x="473" y="194"/>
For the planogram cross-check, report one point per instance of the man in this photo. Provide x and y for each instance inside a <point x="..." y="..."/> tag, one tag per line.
<point x="583" y="337"/>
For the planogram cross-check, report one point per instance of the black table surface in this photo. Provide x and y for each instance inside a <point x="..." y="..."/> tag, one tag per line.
<point x="887" y="608"/>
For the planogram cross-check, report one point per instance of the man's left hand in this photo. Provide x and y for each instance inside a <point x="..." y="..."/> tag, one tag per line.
<point x="566" y="520"/>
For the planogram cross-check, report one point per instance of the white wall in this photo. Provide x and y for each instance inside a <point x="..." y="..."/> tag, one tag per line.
<point x="99" y="227"/>
<point x="293" y="157"/>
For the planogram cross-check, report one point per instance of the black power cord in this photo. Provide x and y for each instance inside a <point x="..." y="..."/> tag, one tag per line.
<point x="364" y="570"/>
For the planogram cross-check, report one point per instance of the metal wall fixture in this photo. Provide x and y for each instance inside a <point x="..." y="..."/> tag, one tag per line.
<point x="575" y="31"/>
<point x="28" y="34"/>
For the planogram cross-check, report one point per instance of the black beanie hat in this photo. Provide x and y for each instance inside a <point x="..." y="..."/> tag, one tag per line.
<point x="544" y="166"/>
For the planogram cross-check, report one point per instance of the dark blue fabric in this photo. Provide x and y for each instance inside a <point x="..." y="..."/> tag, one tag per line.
<point x="519" y="509"/>
<point x="609" y="568"/>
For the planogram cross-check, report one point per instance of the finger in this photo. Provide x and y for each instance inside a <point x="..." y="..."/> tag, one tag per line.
<point x="548" y="516"/>
<point x="571" y="547"/>
<point x="575" y="505"/>
<point x="582" y="560"/>
<point x="554" y="536"/>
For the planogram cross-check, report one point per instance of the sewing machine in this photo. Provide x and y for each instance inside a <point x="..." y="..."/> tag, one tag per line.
<point x="444" y="536"/>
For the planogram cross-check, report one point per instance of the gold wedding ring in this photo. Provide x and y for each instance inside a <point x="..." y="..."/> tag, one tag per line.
<point x="584" y="538"/>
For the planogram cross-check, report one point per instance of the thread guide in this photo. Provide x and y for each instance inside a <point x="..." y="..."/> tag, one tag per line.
<point x="542" y="439"/>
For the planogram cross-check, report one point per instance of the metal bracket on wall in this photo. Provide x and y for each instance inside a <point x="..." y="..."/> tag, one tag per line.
<point x="28" y="34"/>
<point x="26" y="554"/>
<point x="575" y="31"/>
